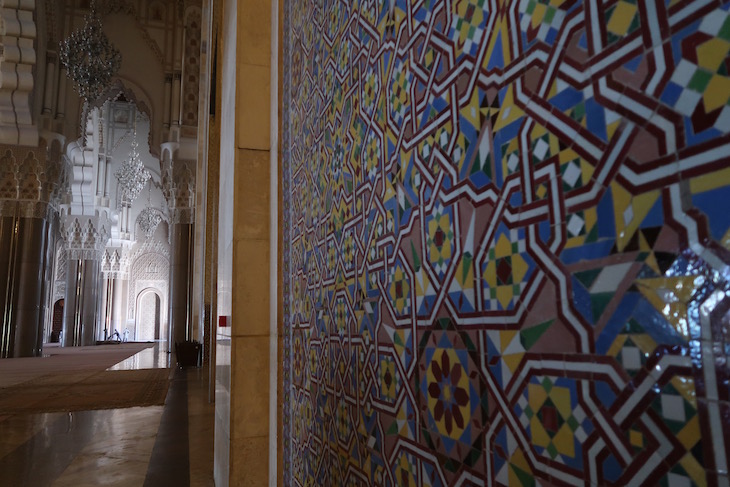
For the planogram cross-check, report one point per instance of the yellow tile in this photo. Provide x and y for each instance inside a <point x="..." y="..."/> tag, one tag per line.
<point x="717" y="93"/>
<point x="561" y="398"/>
<point x="564" y="441"/>
<point x="541" y="191"/>
<point x="710" y="181"/>
<point x="621" y="19"/>
<point x="519" y="268"/>
<point x="536" y="396"/>
<point x="504" y="295"/>
<point x="540" y="437"/>
<point x="711" y="54"/>
<point x="616" y="346"/>
<point x="538" y="14"/>
<point x="690" y="433"/>
<point x="503" y="247"/>
<point x="636" y="438"/>
<point x="694" y="470"/>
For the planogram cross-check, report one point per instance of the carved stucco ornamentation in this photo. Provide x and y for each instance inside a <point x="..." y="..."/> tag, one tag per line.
<point x="150" y="246"/>
<point x="178" y="188"/>
<point x="115" y="263"/>
<point x="86" y="237"/>
<point x="32" y="181"/>
<point x="18" y="40"/>
<point x="191" y="80"/>
<point x="148" y="270"/>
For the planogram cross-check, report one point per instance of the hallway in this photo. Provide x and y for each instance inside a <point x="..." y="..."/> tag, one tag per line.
<point x="116" y="447"/>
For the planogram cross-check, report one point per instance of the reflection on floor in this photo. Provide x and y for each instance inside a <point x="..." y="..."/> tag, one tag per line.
<point x="151" y="446"/>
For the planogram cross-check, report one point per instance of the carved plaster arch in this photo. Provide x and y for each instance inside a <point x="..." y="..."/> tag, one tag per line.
<point x="164" y="329"/>
<point x="141" y="278"/>
<point x="139" y="97"/>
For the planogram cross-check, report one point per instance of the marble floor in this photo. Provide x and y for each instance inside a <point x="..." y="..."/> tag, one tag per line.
<point x="139" y="446"/>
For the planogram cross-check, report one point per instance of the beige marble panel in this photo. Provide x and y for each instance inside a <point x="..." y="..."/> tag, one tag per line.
<point x="250" y="462"/>
<point x="254" y="33"/>
<point x="253" y="105"/>
<point x="251" y="290"/>
<point x="252" y="195"/>
<point x="250" y="388"/>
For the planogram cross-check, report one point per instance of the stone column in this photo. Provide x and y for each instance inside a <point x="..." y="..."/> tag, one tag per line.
<point x="28" y="180"/>
<point x="120" y="288"/>
<point x="8" y="244"/>
<point x="61" y="95"/>
<point x="175" y="102"/>
<point x="115" y="270"/>
<point x="167" y="102"/>
<point x="48" y="265"/>
<point x="24" y="243"/>
<point x="86" y="238"/>
<point x="82" y="294"/>
<point x="180" y="311"/>
<point x="178" y="186"/>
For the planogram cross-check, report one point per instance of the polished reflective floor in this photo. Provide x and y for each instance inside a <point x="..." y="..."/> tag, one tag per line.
<point x="138" y="446"/>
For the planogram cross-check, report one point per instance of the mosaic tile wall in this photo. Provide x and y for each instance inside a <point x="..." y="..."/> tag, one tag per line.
<point x="508" y="242"/>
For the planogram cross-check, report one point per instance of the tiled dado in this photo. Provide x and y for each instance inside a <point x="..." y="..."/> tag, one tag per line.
<point x="508" y="242"/>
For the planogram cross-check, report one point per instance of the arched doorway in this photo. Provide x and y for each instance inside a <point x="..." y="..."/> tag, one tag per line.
<point x="148" y="321"/>
<point x="57" y="323"/>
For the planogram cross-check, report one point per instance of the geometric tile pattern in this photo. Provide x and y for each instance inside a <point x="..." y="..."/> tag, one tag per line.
<point x="507" y="242"/>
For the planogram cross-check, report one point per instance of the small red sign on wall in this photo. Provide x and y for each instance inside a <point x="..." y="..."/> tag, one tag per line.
<point x="224" y="321"/>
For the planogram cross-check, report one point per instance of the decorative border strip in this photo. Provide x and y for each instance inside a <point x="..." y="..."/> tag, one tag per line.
<point x="286" y="253"/>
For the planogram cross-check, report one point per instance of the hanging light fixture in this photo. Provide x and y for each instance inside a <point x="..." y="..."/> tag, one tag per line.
<point x="133" y="175"/>
<point x="90" y="59"/>
<point x="149" y="218"/>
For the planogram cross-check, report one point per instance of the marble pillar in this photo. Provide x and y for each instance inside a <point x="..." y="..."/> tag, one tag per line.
<point x="48" y="265"/>
<point x="246" y="358"/>
<point x="83" y="278"/>
<point x="23" y="244"/>
<point x="8" y="244"/>
<point x="180" y="312"/>
<point x="119" y="287"/>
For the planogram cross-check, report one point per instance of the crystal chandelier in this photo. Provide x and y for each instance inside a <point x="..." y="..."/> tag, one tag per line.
<point x="90" y="58"/>
<point x="148" y="221"/>
<point x="150" y="217"/>
<point x="132" y="176"/>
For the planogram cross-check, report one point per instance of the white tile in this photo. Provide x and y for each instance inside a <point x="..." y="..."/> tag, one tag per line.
<point x="687" y="102"/>
<point x="683" y="72"/>
<point x="575" y="225"/>
<point x="723" y="121"/>
<point x="572" y="173"/>
<point x="610" y="278"/>
<point x="631" y="358"/>
<point x="673" y="407"/>
<point x="712" y="23"/>
<point x="675" y="480"/>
